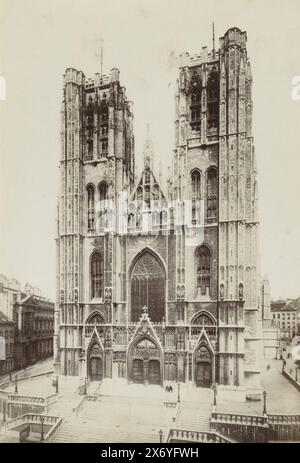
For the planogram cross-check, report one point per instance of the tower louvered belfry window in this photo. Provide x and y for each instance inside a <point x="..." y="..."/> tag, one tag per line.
<point x="203" y="263"/>
<point x="96" y="276"/>
<point x="195" y="103"/>
<point x="89" y="122"/>
<point x="91" y="207"/>
<point x="196" y="191"/>
<point x="103" y="129"/>
<point x="211" y="197"/>
<point x="148" y="287"/>
<point x="213" y="87"/>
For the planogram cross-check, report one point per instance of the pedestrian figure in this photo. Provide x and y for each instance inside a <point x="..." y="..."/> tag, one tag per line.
<point x="268" y="367"/>
<point x="170" y="388"/>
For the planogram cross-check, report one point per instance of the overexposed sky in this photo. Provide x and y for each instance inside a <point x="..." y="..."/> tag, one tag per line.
<point x="40" y="38"/>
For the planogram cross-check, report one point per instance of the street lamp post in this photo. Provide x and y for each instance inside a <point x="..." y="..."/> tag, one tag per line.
<point x="178" y="392"/>
<point x="215" y="395"/>
<point x="42" y="418"/>
<point x="265" y="402"/>
<point x="16" y="385"/>
<point x="84" y="391"/>
<point x="4" y="412"/>
<point x="160" y="435"/>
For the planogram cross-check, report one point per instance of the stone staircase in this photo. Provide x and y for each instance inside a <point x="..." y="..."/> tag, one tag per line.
<point x="90" y="431"/>
<point x="194" y="417"/>
<point x="65" y="405"/>
<point x="116" y="419"/>
<point x="93" y="387"/>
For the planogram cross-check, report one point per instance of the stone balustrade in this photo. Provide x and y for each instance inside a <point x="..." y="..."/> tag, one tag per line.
<point x="285" y="420"/>
<point x="237" y="419"/>
<point x="31" y="418"/>
<point x="26" y="399"/>
<point x="197" y="436"/>
<point x="54" y="430"/>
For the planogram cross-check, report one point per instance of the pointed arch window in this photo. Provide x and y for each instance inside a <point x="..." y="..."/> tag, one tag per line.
<point x="103" y="118"/>
<point x="195" y="102"/>
<point x="203" y="319"/>
<point x="212" y="189"/>
<point x="196" y="191"/>
<point x="203" y="267"/>
<point x="213" y="86"/>
<point x="97" y="279"/>
<point x="196" y="184"/>
<point x="103" y="195"/>
<point x="148" y="287"/>
<point x="91" y="207"/>
<point x="89" y="121"/>
<point x="102" y="207"/>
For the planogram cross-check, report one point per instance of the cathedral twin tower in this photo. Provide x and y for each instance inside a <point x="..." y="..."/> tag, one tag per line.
<point x="156" y="286"/>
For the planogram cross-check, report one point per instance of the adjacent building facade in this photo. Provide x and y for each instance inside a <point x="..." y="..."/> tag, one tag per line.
<point x="157" y="285"/>
<point x="7" y="333"/>
<point x="271" y="331"/>
<point x="34" y="329"/>
<point x="285" y="314"/>
<point x="26" y="324"/>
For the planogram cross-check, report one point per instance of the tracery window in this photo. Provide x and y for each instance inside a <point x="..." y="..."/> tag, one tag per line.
<point x="89" y="121"/>
<point x="213" y="86"/>
<point x="195" y="102"/>
<point x="95" y="319"/>
<point x="91" y="207"/>
<point x="212" y="189"/>
<point x="196" y="190"/>
<point x="203" y="264"/>
<point x="148" y="287"/>
<point x="97" y="276"/>
<point x="103" y="118"/>
<point x="203" y="319"/>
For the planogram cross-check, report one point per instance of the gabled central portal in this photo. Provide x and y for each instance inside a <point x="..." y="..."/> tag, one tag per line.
<point x="145" y="363"/>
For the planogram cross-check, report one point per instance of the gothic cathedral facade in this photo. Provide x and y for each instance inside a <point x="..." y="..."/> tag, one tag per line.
<point x="158" y="285"/>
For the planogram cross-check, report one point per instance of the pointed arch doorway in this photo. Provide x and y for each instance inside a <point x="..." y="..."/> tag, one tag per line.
<point x="95" y="362"/>
<point x="148" y="286"/>
<point x="203" y="369"/>
<point x="145" y="363"/>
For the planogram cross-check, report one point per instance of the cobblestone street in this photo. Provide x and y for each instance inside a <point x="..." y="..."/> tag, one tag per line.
<point x="282" y="396"/>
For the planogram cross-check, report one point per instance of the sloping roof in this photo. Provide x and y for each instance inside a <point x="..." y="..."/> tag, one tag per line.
<point x="293" y="305"/>
<point x="284" y="306"/>
<point x="5" y="320"/>
<point x="37" y="301"/>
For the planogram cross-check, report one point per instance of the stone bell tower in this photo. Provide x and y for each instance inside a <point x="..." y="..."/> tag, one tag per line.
<point x="97" y="163"/>
<point x="214" y="163"/>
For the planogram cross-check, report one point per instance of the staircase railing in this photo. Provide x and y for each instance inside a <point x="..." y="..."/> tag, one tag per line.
<point x="31" y="418"/>
<point x="257" y="428"/>
<point x="238" y="419"/>
<point x="54" y="430"/>
<point x="197" y="436"/>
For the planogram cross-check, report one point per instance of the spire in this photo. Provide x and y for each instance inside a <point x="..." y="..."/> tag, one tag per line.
<point x="148" y="149"/>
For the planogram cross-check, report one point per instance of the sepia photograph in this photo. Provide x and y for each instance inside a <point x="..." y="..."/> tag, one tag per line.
<point x="150" y="224"/>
